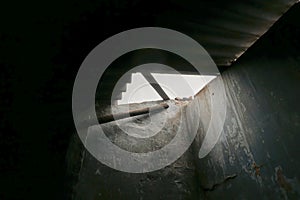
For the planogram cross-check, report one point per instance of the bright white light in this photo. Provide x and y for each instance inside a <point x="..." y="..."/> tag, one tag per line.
<point x="174" y="85"/>
<point x="139" y="90"/>
<point x="182" y="85"/>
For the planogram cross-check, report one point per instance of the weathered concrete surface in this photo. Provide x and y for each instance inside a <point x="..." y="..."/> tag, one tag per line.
<point x="177" y="181"/>
<point x="257" y="156"/>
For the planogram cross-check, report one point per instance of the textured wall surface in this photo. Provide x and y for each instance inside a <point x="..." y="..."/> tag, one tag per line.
<point x="257" y="154"/>
<point x="44" y="43"/>
<point x="177" y="181"/>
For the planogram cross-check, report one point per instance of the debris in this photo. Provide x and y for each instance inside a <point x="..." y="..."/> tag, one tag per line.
<point x="184" y="98"/>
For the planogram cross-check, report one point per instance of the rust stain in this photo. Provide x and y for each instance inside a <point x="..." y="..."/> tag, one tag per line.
<point x="281" y="180"/>
<point x="257" y="169"/>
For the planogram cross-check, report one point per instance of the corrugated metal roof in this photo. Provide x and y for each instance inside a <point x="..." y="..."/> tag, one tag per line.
<point x="225" y="28"/>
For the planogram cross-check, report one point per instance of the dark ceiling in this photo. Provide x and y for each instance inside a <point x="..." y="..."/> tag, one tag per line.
<point x="226" y="29"/>
<point x="43" y="44"/>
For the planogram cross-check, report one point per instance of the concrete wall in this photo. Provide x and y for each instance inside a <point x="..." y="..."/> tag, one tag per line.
<point x="257" y="155"/>
<point x="94" y="180"/>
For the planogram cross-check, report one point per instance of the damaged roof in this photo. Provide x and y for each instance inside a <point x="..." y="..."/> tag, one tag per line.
<point x="226" y="29"/>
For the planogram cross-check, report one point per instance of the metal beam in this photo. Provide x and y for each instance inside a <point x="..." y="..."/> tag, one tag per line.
<point x="155" y="85"/>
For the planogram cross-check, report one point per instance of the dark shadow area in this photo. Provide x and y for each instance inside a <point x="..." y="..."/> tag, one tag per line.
<point x="42" y="47"/>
